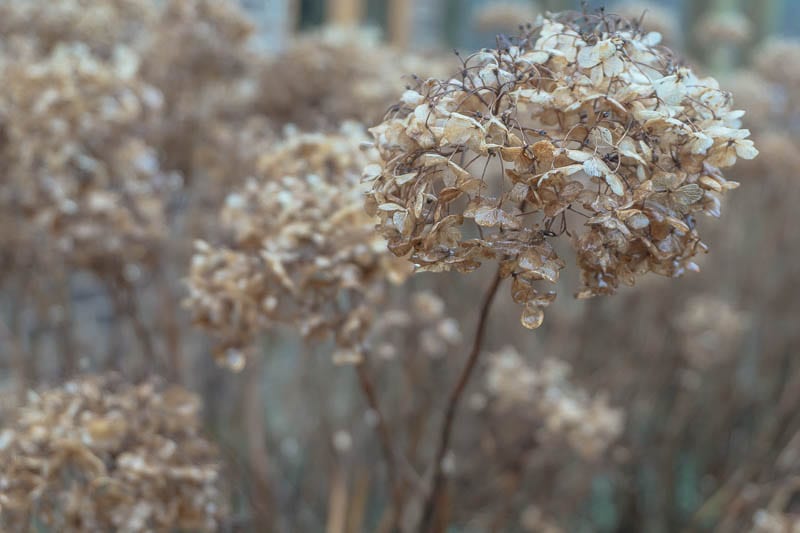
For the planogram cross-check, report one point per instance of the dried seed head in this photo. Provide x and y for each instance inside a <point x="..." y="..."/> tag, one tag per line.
<point x="586" y="129"/>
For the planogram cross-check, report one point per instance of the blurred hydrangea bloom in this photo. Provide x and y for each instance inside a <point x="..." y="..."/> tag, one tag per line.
<point x="100" y="454"/>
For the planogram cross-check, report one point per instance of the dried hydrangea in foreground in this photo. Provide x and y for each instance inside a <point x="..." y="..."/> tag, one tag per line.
<point x="301" y="249"/>
<point x="100" y="454"/>
<point x="585" y="128"/>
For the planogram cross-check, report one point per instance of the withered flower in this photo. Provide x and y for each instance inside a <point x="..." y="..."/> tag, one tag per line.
<point x="583" y="127"/>
<point x="99" y="454"/>
<point x="504" y="16"/>
<point x="77" y="167"/>
<point x="652" y="17"/>
<point x="102" y="25"/>
<point x="336" y="74"/>
<point x="301" y="249"/>
<point x="588" y="424"/>
<point x="424" y="328"/>
<point x="710" y="329"/>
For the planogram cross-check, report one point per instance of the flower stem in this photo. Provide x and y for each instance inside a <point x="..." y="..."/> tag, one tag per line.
<point x="453" y="403"/>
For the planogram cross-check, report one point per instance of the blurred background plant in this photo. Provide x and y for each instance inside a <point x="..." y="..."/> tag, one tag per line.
<point x="131" y="129"/>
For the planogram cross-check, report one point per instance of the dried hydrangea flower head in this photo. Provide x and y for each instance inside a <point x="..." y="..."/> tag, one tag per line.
<point x="583" y="127"/>
<point x="504" y="16"/>
<point x="99" y="454"/>
<point x="76" y="165"/>
<point x="726" y="27"/>
<point x="195" y="41"/>
<point x="778" y="59"/>
<point x="651" y="17"/>
<point x="101" y="25"/>
<point x="423" y="328"/>
<point x="197" y="55"/>
<point x="588" y="424"/>
<point x="336" y="74"/>
<point x="769" y="89"/>
<point x="710" y="329"/>
<point x="301" y="249"/>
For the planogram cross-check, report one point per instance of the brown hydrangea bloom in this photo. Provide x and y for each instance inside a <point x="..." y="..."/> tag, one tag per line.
<point x="99" y="454"/>
<point x="588" y="424"/>
<point x="76" y="165"/>
<point x="421" y="329"/>
<point x="583" y="127"/>
<point x="710" y="329"/>
<point x="652" y="17"/>
<point x="769" y="89"/>
<point x="102" y="25"/>
<point x="504" y="16"/>
<point x="195" y="41"/>
<point x="301" y="249"/>
<point x="197" y="55"/>
<point x="723" y="27"/>
<point x="778" y="59"/>
<point x="334" y="75"/>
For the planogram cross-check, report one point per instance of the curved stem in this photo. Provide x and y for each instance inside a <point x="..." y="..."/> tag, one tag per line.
<point x="452" y="406"/>
<point x="367" y="385"/>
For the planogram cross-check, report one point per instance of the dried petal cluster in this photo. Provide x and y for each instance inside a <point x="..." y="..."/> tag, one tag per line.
<point x="588" y="424"/>
<point x="301" y="249"/>
<point x="99" y="454"/>
<point x="583" y="127"/>
<point x="76" y="163"/>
